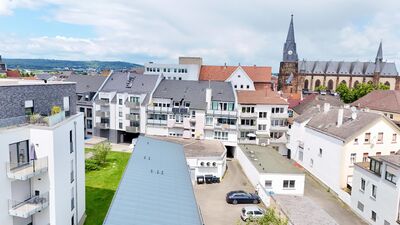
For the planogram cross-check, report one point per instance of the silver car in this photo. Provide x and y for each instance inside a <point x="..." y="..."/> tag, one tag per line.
<point x="251" y="213"/>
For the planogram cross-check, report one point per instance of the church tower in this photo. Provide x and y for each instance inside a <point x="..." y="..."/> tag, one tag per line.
<point x="288" y="80"/>
<point x="378" y="64"/>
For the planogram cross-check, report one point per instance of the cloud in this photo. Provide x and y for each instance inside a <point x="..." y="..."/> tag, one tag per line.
<point x="249" y="32"/>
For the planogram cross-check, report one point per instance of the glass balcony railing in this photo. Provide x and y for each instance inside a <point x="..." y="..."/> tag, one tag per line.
<point x="28" y="207"/>
<point x="25" y="171"/>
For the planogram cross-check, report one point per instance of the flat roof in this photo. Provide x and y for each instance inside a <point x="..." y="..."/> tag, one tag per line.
<point x="197" y="148"/>
<point x="155" y="188"/>
<point x="268" y="160"/>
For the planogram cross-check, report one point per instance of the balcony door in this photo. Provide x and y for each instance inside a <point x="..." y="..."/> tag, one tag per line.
<point x="19" y="154"/>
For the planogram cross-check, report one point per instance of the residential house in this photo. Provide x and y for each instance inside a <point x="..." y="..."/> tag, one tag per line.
<point x="43" y="177"/>
<point x="187" y="69"/>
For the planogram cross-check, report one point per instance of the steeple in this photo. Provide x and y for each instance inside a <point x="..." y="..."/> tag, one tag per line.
<point x="379" y="55"/>
<point x="289" y="49"/>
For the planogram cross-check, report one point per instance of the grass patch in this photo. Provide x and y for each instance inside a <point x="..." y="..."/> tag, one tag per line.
<point x="101" y="186"/>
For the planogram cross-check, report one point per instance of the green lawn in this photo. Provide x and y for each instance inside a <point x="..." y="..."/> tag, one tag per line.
<point x="101" y="186"/>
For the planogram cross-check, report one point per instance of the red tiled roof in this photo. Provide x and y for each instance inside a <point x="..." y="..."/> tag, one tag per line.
<point x="221" y="73"/>
<point x="13" y="73"/>
<point x="262" y="96"/>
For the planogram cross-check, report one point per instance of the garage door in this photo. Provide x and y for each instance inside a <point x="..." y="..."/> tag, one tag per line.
<point x="208" y="170"/>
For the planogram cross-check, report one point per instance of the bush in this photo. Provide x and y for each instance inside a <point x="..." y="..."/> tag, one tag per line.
<point x="100" y="152"/>
<point x="91" y="165"/>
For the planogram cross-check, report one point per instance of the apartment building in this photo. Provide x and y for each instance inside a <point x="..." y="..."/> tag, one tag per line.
<point x="188" y="68"/>
<point x="328" y="141"/>
<point x="42" y="180"/>
<point x="375" y="196"/>
<point x="263" y="118"/>
<point x="193" y="109"/>
<point x="241" y="77"/>
<point x="120" y="106"/>
<point x="386" y="102"/>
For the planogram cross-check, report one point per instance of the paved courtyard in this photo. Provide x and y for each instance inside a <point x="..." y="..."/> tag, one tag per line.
<point x="211" y="197"/>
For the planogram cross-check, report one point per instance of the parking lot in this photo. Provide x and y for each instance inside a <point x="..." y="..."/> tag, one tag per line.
<point x="211" y="197"/>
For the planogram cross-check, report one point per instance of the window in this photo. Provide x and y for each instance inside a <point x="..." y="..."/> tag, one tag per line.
<point x="29" y="107"/>
<point x="360" y="206"/>
<point x="367" y="137"/>
<point x="89" y="112"/>
<point x="373" y="191"/>
<point x="241" y="86"/>
<point x="391" y="116"/>
<point x="72" y="199"/>
<point x="353" y="158"/>
<point x="380" y="138"/>
<point x="356" y="141"/>
<point x="320" y="152"/>
<point x="220" y="135"/>
<point x="71" y="142"/>
<point x="248" y="109"/>
<point x="268" y="184"/>
<point x="248" y="86"/>
<point x="365" y="157"/>
<point x="19" y="154"/>
<point x="235" y="86"/>
<point x="378" y="153"/>
<point x="289" y="183"/>
<point x="120" y="101"/>
<point x="89" y="124"/>
<point x="81" y="109"/>
<point x="375" y="166"/>
<point x="373" y="216"/>
<point x="389" y="175"/>
<point x="120" y="125"/>
<point x="72" y="218"/>
<point x="301" y="156"/>
<point x="362" y="186"/>
<point x="120" y="113"/>
<point x="72" y="171"/>
<point x="311" y="163"/>
<point x="209" y="121"/>
<point x="394" y="138"/>
<point x="262" y="127"/>
<point x="262" y="114"/>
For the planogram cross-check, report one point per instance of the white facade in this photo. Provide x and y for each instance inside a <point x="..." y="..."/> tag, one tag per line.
<point x="240" y="80"/>
<point x="173" y="71"/>
<point x="50" y="189"/>
<point x="330" y="159"/>
<point x="383" y="201"/>
<point x="200" y="166"/>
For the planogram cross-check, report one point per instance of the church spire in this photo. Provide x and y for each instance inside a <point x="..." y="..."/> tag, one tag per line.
<point x="379" y="54"/>
<point x="289" y="49"/>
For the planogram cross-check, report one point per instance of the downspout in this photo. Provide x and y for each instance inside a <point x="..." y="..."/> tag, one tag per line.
<point x="76" y="177"/>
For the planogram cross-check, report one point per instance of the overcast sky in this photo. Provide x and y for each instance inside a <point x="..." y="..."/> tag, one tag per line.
<point x="247" y="32"/>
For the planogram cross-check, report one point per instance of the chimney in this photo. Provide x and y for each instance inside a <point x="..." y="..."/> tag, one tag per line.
<point x="224" y="65"/>
<point x="327" y="106"/>
<point x="208" y="97"/>
<point x="340" y="117"/>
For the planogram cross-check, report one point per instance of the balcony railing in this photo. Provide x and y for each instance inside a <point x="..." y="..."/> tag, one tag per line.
<point x="132" y="105"/>
<point x="25" y="171"/>
<point x="225" y="126"/>
<point x="247" y="127"/>
<point x="248" y="115"/>
<point x="247" y="141"/>
<point x="221" y="113"/>
<point x="130" y="129"/>
<point x="52" y="120"/>
<point x="279" y="128"/>
<point x="156" y="122"/>
<point x="103" y="125"/>
<point x="103" y="102"/>
<point x="103" y="114"/>
<point x="159" y="109"/>
<point x="281" y="140"/>
<point x="279" y="115"/>
<point x="132" y="117"/>
<point x="28" y="207"/>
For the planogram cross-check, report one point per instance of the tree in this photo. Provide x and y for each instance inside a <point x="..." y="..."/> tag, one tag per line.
<point x="321" y="88"/>
<point x="270" y="217"/>
<point x="100" y="153"/>
<point x="345" y="93"/>
<point x="349" y="95"/>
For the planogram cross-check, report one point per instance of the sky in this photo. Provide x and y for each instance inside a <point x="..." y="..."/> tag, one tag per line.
<point x="248" y="32"/>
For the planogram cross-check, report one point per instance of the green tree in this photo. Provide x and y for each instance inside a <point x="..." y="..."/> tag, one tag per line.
<point x="270" y="217"/>
<point x="345" y="93"/>
<point x="321" y="88"/>
<point x="349" y="95"/>
<point x="100" y="152"/>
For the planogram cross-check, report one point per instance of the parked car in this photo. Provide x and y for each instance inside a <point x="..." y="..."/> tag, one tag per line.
<point x="238" y="197"/>
<point x="251" y="213"/>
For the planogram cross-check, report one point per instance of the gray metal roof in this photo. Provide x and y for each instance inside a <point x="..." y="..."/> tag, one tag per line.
<point x="314" y="100"/>
<point x="194" y="91"/>
<point x="290" y="45"/>
<point x="140" y="84"/>
<point x="86" y="83"/>
<point x="155" y="188"/>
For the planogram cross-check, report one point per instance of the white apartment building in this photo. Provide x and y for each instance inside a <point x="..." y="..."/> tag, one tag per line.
<point x="263" y="118"/>
<point x="375" y="195"/>
<point x="42" y="180"/>
<point x="193" y="109"/>
<point x="328" y="141"/>
<point x="120" y="106"/>
<point x="187" y="69"/>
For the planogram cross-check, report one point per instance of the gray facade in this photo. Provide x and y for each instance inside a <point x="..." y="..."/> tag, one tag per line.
<point x="44" y="97"/>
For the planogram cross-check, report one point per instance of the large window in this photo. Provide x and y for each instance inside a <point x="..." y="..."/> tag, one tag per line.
<point x="209" y="121"/>
<point x="375" y="166"/>
<point x="373" y="191"/>
<point x="268" y="184"/>
<point x="362" y="185"/>
<point x="89" y="112"/>
<point x="226" y="121"/>
<point x="220" y="135"/>
<point x="389" y="175"/>
<point x="19" y="154"/>
<point x="289" y="184"/>
<point x="248" y="109"/>
<point x="262" y="114"/>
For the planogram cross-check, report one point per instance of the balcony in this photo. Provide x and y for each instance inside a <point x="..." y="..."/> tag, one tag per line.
<point x="247" y="127"/>
<point x="28" y="207"/>
<point x="279" y="115"/>
<point x="132" y="117"/>
<point x="103" y="102"/>
<point x="103" y="114"/>
<point x="247" y="141"/>
<point x="51" y="120"/>
<point x="157" y="109"/>
<point x="130" y="129"/>
<point x="156" y="122"/>
<point x="248" y="115"/>
<point x="18" y="171"/>
<point x="103" y="125"/>
<point x="281" y="140"/>
<point x="225" y="126"/>
<point x="221" y="113"/>
<point x="279" y="128"/>
<point x="132" y="105"/>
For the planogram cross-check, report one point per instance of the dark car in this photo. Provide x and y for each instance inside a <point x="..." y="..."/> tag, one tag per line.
<point x="238" y="197"/>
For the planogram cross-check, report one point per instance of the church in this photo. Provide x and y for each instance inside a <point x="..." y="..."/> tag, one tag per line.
<point x="296" y="76"/>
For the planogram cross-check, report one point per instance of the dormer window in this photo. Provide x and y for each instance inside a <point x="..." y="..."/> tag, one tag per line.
<point x="375" y="167"/>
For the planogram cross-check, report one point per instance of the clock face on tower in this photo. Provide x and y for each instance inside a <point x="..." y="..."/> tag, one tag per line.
<point x="290" y="52"/>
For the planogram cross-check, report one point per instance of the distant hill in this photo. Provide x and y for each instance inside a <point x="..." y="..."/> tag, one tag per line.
<point x="51" y="64"/>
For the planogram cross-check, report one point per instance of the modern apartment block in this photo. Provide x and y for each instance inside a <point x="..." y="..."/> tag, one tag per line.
<point x="263" y="118"/>
<point x="194" y="109"/>
<point x="42" y="180"/>
<point x="328" y="141"/>
<point x="187" y="69"/>
<point x="376" y="195"/>
<point x="120" y="112"/>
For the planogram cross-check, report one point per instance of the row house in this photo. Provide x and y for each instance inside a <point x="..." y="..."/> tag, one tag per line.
<point x="375" y="196"/>
<point x="327" y="142"/>
<point x="119" y="106"/>
<point x="42" y="175"/>
<point x="263" y="118"/>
